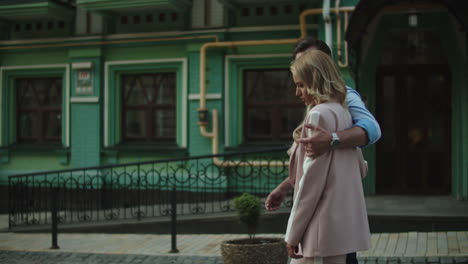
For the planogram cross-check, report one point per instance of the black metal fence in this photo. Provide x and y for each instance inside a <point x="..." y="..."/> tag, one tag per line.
<point x="203" y="185"/>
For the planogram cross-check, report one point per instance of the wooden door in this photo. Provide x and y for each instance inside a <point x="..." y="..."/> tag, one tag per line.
<point x="413" y="155"/>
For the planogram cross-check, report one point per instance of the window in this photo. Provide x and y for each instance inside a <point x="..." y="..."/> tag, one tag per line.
<point x="272" y="111"/>
<point x="39" y="110"/>
<point x="149" y="107"/>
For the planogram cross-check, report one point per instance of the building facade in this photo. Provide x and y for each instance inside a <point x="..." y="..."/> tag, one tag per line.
<point x="97" y="82"/>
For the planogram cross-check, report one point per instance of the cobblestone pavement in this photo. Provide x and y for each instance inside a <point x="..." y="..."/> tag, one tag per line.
<point x="388" y="248"/>
<point x="28" y="257"/>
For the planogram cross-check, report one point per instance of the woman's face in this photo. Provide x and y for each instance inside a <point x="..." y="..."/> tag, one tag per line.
<point x="301" y="90"/>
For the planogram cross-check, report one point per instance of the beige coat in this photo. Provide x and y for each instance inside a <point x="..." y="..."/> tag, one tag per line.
<point x="329" y="214"/>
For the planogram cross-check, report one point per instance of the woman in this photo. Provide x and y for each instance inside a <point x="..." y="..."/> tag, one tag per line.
<point x="328" y="218"/>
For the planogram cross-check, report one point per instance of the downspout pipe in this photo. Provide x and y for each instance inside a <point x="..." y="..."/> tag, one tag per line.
<point x="203" y="111"/>
<point x="317" y="11"/>
<point x="328" y="25"/>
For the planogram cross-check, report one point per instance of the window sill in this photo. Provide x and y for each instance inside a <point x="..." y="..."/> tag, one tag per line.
<point x="62" y="152"/>
<point x="113" y="152"/>
<point x="258" y="146"/>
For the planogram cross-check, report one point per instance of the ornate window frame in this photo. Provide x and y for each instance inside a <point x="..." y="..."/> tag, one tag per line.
<point x="112" y="111"/>
<point x="7" y="115"/>
<point x="233" y="103"/>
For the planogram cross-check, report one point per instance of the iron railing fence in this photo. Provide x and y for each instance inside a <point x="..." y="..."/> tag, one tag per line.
<point x="203" y="184"/>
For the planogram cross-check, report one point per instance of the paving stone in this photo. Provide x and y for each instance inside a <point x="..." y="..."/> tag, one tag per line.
<point x="382" y="260"/>
<point x="419" y="260"/>
<point x="393" y="260"/>
<point x="406" y="260"/>
<point x="446" y="260"/>
<point x="433" y="260"/>
<point x="12" y="257"/>
<point x="461" y="260"/>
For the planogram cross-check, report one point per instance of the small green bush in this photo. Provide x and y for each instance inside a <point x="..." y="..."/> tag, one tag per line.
<point x="248" y="210"/>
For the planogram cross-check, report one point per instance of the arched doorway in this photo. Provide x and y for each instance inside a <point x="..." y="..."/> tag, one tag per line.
<point x="401" y="69"/>
<point x="413" y="91"/>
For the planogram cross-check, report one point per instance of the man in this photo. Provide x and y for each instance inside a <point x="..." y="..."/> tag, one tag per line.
<point x="365" y="130"/>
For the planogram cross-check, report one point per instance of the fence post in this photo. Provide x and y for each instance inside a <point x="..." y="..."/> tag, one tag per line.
<point x="174" y="221"/>
<point x="10" y="203"/>
<point x="138" y="195"/>
<point x="54" y="206"/>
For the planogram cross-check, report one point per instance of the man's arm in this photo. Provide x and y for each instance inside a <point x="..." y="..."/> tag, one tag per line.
<point x="365" y="129"/>
<point x="352" y="137"/>
<point x="362" y="118"/>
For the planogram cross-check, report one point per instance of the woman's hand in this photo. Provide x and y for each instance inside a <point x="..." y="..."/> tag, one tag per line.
<point x="274" y="199"/>
<point x="292" y="251"/>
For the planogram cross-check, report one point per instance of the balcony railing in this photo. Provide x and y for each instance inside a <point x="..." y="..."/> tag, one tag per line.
<point x="143" y="190"/>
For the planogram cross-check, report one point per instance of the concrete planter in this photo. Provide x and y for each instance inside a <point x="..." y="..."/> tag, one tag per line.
<point x="263" y="250"/>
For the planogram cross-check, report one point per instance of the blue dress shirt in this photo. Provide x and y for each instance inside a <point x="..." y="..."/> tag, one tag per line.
<point x="361" y="116"/>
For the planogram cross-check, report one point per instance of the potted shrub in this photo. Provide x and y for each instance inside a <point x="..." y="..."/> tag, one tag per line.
<point x="260" y="250"/>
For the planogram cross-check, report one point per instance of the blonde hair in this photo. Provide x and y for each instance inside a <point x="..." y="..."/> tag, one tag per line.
<point x="322" y="80"/>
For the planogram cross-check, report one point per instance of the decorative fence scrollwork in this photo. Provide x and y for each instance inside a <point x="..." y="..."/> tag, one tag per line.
<point x="143" y="190"/>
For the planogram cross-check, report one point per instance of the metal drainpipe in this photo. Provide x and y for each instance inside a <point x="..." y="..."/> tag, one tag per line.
<point x="339" y="46"/>
<point x="203" y="111"/>
<point x="328" y="24"/>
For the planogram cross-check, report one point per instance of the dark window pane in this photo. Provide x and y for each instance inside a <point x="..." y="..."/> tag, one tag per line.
<point x="27" y="125"/>
<point x="290" y="119"/>
<point x="135" y="124"/>
<point x="164" y="123"/>
<point x="274" y="10"/>
<point x="149" y="111"/>
<point x="136" y="20"/>
<point x="53" y="125"/>
<point x="133" y="91"/>
<point x="39" y="106"/>
<point x="259" y="123"/>
<point x="259" y="11"/>
<point x="124" y="20"/>
<point x="272" y="111"/>
<point x="149" y="18"/>
<point x="413" y="47"/>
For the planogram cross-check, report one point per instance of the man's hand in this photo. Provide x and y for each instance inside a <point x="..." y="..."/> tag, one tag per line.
<point x="292" y="251"/>
<point x="274" y="199"/>
<point x="318" y="143"/>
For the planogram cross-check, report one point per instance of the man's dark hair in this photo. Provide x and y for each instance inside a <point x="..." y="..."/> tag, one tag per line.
<point x="308" y="42"/>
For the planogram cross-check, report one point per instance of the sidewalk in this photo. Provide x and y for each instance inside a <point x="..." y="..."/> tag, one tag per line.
<point x="388" y="248"/>
<point x="393" y="248"/>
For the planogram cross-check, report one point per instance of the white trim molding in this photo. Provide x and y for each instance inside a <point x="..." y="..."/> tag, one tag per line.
<point x="227" y="59"/>
<point x="211" y="96"/>
<point x="184" y="73"/>
<point x="66" y="87"/>
<point x="76" y="99"/>
<point x="82" y="65"/>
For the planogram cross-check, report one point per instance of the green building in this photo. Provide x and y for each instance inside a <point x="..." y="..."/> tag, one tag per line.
<point x="97" y="82"/>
